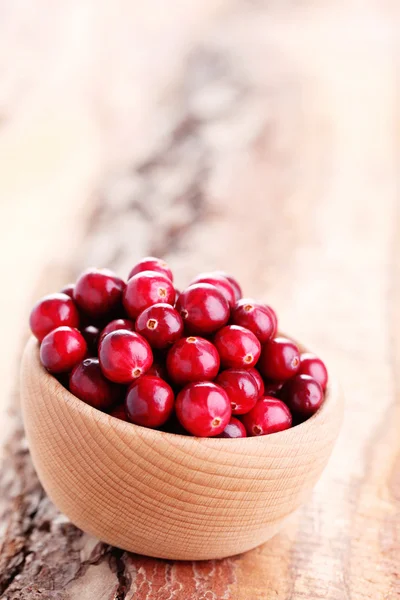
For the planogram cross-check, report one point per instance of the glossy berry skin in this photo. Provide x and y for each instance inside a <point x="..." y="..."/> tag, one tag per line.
<point x="88" y="383"/>
<point x="119" y="412"/>
<point x="303" y="395"/>
<point x="234" y="429"/>
<point x="160" y="324"/>
<point x="274" y="319"/>
<point x="62" y="349"/>
<point x="241" y="388"/>
<point x="192" y="359"/>
<point x="115" y="325"/>
<point x="52" y="311"/>
<point x="203" y="309"/>
<point x="151" y="263"/>
<point x="314" y="367"/>
<point x="124" y="356"/>
<point x="158" y="369"/>
<point x="272" y="388"/>
<point x="237" y="347"/>
<point x="279" y="360"/>
<point x="254" y="316"/>
<point x="220" y="282"/>
<point x="68" y="290"/>
<point x="235" y="285"/>
<point x="259" y="381"/>
<point x="203" y="408"/>
<point x="149" y="401"/>
<point x="145" y="289"/>
<point x="91" y="335"/>
<point x="98" y="292"/>
<point x="269" y="415"/>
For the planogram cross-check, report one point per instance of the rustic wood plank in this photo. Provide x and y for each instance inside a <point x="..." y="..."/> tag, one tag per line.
<point x="273" y="156"/>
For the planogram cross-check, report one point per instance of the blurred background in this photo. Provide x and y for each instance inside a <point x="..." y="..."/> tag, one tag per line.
<point x="258" y="137"/>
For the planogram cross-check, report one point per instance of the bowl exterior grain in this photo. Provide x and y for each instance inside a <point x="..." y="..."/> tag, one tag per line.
<point x="166" y="495"/>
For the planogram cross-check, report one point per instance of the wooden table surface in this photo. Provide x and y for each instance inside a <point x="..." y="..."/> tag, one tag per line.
<point x="257" y="137"/>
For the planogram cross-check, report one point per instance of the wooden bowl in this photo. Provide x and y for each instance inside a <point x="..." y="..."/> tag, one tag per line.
<point x="166" y="495"/>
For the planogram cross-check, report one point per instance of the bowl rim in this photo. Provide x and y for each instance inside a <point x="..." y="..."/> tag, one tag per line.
<point x="31" y="352"/>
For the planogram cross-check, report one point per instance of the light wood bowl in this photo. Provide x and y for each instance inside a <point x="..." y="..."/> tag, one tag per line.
<point x="167" y="495"/>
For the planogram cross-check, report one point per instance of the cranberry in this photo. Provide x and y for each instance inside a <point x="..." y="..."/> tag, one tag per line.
<point x="241" y="388"/>
<point x="91" y="335"/>
<point x="173" y="426"/>
<point x="303" y="395"/>
<point x="145" y="289"/>
<point x="124" y="356"/>
<point x="68" y="290"/>
<point x="254" y="316"/>
<point x="234" y="429"/>
<point x="115" y="326"/>
<point x="151" y="263"/>
<point x="313" y="366"/>
<point x="259" y="381"/>
<point x="177" y="294"/>
<point x="236" y="287"/>
<point x="149" y="401"/>
<point x="203" y="409"/>
<point x="192" y="359"/>
<point x="274" y="318"/>
<point x="280" y="359"/>
<point x="220" y="282"/>
<point x="88" y="383"/>
<point x="158" y="369"/>
<point x="62" y="349"/>
<point x="269" y="415"/>
<point x="203" y="308"/>
<point x="237" y="347"/>
<point x="98" y="292"/>
<point x="119" y="412"/>
<point x="52" y="311"/>
<point x="272" y="388"/>
<point x="160" y="324"/>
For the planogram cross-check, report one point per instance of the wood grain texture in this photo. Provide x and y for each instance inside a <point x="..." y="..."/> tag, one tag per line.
<point x="264" y="141"/>
<point x="166" y="495"/>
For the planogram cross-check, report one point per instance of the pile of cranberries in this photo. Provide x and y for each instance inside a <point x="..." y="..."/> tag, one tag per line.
<point x="204" y="361"/>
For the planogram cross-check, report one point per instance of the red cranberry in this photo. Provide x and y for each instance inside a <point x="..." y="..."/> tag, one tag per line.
<point x="68" y="290"/>
<point x="272" y="388"/>
<point x="241" y="388"/>
<point x="203" y="308"/>
<point x="173" y="426"/>
<point x="237" y="347"/>
<point x="254" y="316"/>
<point x="115" y="326"/>
<point x="203" y="409"/>
<point x="234" y="429"/>
<point x="119" y="412"/>
<point x="158" y="369"/>
<point x="274" y="318"/>
<point x="313" y="366"/>
<point x="268" y="416"/>
<point x="98" y="292"/>
<point x="303" y="395"/>
<point x="160" y="324"/>
<point x="151" y="263"/>
<point x="52" y="311"/>
<point x="177" y="294"/>
<point x="124" y="356"/>
<point x="145" y="289"/>
<point x="62" y="349"/>
<point x="280" y="359"/>
<point x="259" y="381"/>
<point x="91" y="335"/>
<point x="192" y="359"/>
<point x="149" y="401"/>
<point x="220" y="282"/>
<point x="236" y="287"/>
<point x="88" y="383"/>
